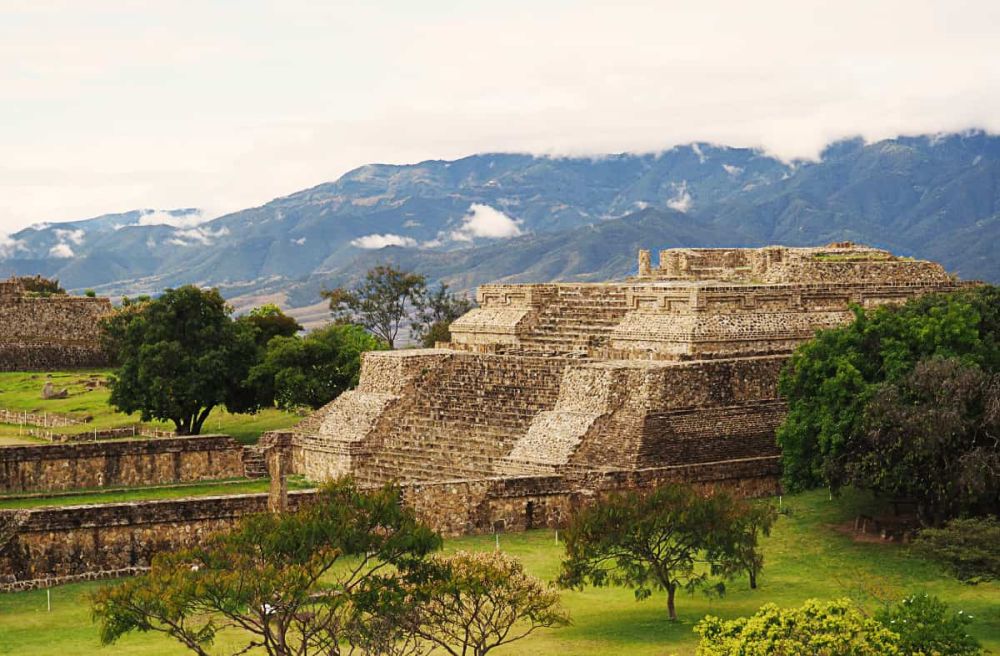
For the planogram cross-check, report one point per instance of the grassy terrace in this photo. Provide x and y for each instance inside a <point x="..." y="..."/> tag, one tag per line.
<point x="808" y="555"/>
<point x="121" y="495"/>
<point x="23" y="391"/>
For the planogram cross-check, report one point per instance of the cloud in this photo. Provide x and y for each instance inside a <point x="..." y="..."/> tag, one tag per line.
<point x="299" y="241"/>
<point x="485" y="221"/>
<point x="159" y="217"/>
<point x="410" y="223"/>
<point x="682" y="202"/>
<point x="194" y="236"/>
<point x="9" y="246"/>
<point x="732" y="170"/>
<point x="75" y="236"/>
<point x="61" y="251"/>
<point x="381" y="241"/>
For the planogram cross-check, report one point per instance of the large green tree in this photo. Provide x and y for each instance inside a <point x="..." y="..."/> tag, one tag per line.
<point x="667" y="539"/>
<point x="830" y="380"/>
<point x="382" y="302"/>
<point x="313" y="370"/>
<point x="179" y="357"/>
<point x="326" y="580"/>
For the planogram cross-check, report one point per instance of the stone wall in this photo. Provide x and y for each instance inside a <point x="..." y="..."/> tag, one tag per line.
<point x="48" y="546"/>
<point x="54" y="332"/>
<point x="59" y="467"/>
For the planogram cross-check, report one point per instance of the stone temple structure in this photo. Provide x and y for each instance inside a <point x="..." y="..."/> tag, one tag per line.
<point x="673" y="370"/>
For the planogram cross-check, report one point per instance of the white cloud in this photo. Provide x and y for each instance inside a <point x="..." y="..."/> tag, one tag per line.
<point x="732" y="170"/>
<point x="75" y="236"/>
<point x="61" y="251"/>
<point x="682" y="202"/>
<point x="159" y="217"/>
<point x="381" y="241"/>
<point x="299" y="241"/>
<point x="410" y="223"/>
<point x="9" y="246"/>
<point x="193" y="236"/>
<point x="697" y="151"/>
<point x="485" y="221"/>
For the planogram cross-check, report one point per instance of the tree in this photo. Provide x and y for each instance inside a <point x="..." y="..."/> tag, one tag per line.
<point x="752" y="521"/>
<point x="834" y="628"/>
<point x="475" y="602"/>
<point x="269" y="321"/>
<point x="933" y="437"/>
<point x="381" y="302"/>
<point x="313" y="370"/>
<point x="925" y="625"/>
<point x="41" y="286"/>
<point x="669" y="538"/>
<point x="966" y="547"/>
<point x="179" y="357"/>
<point x="830" y="379"/>
<point x="435" y="312"/>
<point x="288" y="584"/>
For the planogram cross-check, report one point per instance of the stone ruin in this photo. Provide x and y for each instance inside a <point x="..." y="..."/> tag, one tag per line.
<point x="675" y="370"/>
<point x="43" y="333"/>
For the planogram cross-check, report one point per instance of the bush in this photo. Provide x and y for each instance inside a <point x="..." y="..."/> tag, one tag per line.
<point x="966" y="547"/>
<point x="926" y="626"/>
<point x="90" y="293"/>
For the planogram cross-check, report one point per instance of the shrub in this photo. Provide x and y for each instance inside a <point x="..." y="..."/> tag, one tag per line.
<point x="926" y="626"/>
<point x="966" y="547"/>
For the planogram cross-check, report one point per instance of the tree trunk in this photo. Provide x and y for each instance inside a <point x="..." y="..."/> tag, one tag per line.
<point x="671" y="590"/>
<point x="753" y="579"/>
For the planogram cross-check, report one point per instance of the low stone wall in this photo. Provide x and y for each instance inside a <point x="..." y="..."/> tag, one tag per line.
<point x="59" y="467"/>
<point x="49" y="546"/>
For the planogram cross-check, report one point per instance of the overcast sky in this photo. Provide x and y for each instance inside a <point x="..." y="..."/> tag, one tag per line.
<point x="113" y="105"/>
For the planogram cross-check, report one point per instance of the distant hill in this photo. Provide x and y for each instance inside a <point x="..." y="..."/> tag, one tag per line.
<point x="520" y="217"/>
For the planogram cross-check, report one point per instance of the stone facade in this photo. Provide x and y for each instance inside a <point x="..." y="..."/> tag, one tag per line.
<point x="53" y="332"/>
<point x="677" y="366"/>
<point x="83" y="465"/>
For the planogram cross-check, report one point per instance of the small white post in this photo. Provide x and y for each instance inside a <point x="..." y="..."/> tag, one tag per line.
<point x="497" y="535"/>
<point x="779" y="502"/>
<point x="48" y="599"/>
<point x="557" y="536"/>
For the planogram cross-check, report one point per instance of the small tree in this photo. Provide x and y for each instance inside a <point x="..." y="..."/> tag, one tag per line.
<point x="381" y="302"/>
<point x="752" y="522"/>
<point x="966" y="547"/>
<point x="179" y="356"/>
<point x="269" y="321"/>
<point x="287" y="584"/>
<point x="925" y="625"/>
<point x="475" y="602"/>
<point x="314" y="370"/>
<point x="436" y="310"/>
<point x="835" y="628"/>
<point x="666" y="539"/>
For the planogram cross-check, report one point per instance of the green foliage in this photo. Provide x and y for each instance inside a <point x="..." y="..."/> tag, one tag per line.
<point x="670" y="538"/>
<point x="269" y="321"/>
<point x="967" y="547"/>
<point x="381" y="302"/>
<point x="180" y="356"/>
<point x="41" y="286"/>
<point x="313" y="370"/>
<point x="293" y="583"/>
<point x="90" y="293"/>
<point x="926" y="626"/>
<point x="829" y="380"/>
<point x="933" y="437"/>
<point x="436" y="310"/>
<point x="472" y="603"/>
<point x="833" y="628"/>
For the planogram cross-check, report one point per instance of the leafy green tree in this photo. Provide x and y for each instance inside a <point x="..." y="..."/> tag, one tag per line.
<point x="313" y="370"/>
<point x="933" y="437"/>
<point x="752" y="521"/>
<point x="381" y="302"/>
<point x="475" y="602"/>
<point x="925" y="625"/>
<point x="830" y="379"/>
<point x="179" y="357"/>
<point x="285" y="584"/>
<point x="967" y="547"/>
<point x="669" y="538"/>
<point x="833" y="628"/>
<point x="436" y="309"/>
<point x="269" y="321"/>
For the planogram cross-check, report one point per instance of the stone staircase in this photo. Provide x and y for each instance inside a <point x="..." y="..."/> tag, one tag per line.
<point x="254" y="465"/>
<point x="463" y="419"/>
<point x="577" y="319"/>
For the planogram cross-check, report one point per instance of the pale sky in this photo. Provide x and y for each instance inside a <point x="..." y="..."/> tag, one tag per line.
<point x="112" y="105"/>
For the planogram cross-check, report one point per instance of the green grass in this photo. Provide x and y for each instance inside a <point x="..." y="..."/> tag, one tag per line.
<point x="23" y="391"/>
<point x="121" y="495"/>
<point x="806" y="557"/>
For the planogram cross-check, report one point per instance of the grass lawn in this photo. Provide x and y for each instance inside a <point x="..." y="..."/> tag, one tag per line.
<point x="806" y="557"/>
<point x="121" y="495"/>
<point x="23" y="391"/>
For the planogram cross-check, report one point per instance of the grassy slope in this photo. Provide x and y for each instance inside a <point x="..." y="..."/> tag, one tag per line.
<point x="806" y="558"/>
<point x="22" y="391"/>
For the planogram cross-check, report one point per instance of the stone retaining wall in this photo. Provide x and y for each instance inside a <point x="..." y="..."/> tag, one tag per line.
<point x="54" y="332"/>
<point x="119" y="463"/>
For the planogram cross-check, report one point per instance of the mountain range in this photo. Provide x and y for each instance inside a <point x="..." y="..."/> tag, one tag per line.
<point x="520" y="217"/>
